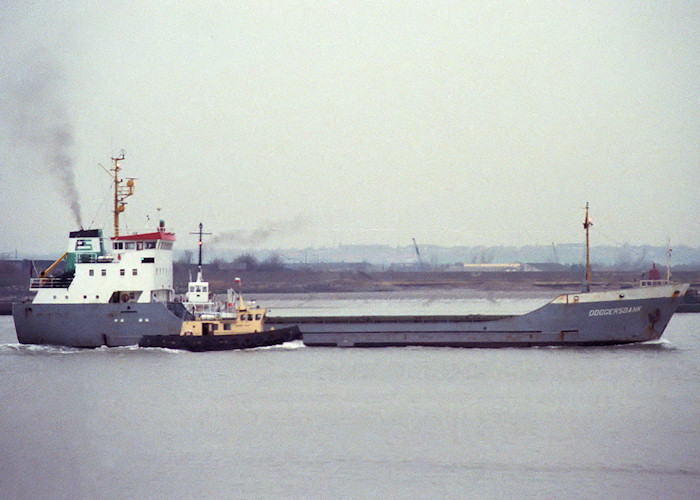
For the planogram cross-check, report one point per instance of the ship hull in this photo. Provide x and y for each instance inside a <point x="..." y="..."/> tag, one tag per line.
<point x="607" y="318"/>
<point x="200" y="343"/>
<point x="95" y="325"/>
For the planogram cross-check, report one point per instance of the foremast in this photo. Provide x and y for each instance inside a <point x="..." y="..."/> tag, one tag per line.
<point x="587" y="223"/>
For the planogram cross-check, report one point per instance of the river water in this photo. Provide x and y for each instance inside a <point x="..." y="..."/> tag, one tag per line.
<point x="299" y="422"/>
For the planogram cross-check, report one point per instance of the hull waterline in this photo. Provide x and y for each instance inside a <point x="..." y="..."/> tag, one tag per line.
<point x="201" y="343"/>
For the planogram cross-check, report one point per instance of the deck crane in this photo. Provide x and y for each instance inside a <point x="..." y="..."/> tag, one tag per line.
<point x="415" y="247"/>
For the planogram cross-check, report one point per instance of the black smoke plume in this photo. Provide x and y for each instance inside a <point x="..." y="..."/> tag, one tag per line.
<point x="40" y="125"/>
<point x="257" y="236"/>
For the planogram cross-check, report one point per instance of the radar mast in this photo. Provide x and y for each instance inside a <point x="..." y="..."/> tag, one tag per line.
<point x="121" y="191"/>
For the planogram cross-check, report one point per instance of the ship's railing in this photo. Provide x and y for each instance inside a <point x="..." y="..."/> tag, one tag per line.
<point x="86" y="258"/>
<point x="49" y="282"/>
<point x="131" y="231"/>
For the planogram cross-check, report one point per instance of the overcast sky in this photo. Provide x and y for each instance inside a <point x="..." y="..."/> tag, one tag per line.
<point x="318" y="123"/>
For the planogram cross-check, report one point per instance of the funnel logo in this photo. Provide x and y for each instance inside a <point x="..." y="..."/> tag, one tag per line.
<point x="83" y="246"/>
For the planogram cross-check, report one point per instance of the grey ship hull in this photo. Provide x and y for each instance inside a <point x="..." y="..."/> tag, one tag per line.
<point x="94" y="325"/>
<point x="620" y="317"/>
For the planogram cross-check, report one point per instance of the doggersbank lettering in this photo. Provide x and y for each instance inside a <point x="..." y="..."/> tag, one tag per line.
<point x="614" y="310"/>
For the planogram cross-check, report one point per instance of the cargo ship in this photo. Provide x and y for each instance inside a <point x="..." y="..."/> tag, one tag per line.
<point x="587" y="318"/>
<point x="119" y="291"/>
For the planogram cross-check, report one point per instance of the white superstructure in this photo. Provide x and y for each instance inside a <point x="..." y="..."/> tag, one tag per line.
<point x="136" y="268"/>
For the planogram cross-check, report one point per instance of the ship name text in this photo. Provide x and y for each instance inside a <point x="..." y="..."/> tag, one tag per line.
<point x="614" y="310"/>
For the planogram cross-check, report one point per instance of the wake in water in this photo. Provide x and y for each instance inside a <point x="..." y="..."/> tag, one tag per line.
<point x="52" y="350"/>
<point x="287" y="346"/>
<point x="37" y="350"/>
<point x="49" y="350"/>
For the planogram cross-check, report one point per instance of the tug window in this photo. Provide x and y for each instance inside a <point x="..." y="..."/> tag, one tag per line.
<point x="227" y="326"/>
<point x="129" y="245"/>
<point x="150" y="245"/>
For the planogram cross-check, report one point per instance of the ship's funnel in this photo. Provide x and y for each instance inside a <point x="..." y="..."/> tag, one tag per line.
<point x="85" y="245"/>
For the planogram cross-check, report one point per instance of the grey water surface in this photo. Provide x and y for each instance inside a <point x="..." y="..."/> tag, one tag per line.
<point x="299" y="422"/>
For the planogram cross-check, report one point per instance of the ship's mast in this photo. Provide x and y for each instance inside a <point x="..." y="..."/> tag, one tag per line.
<point x="120" y="192"/>
<point x="199" y="262"/>
<point x="586" y="225"/>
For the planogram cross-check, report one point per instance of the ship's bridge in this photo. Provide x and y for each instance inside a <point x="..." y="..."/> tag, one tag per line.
<point x="158" y="240"/>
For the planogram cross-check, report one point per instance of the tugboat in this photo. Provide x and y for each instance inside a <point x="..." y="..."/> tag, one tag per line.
<point x="112" y="292"/>
<point x="238" y="326"/>
<point x="218" y="326"/>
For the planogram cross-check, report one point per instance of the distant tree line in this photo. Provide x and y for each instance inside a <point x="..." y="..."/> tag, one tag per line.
<point x="244" y="262"/>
